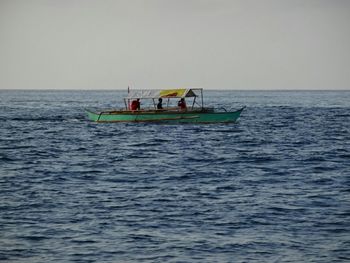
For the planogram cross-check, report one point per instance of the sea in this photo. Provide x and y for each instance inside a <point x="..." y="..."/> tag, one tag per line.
<point x="273" y="187"/>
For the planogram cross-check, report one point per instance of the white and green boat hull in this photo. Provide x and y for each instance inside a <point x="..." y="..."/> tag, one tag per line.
<point x="165" y="116"/>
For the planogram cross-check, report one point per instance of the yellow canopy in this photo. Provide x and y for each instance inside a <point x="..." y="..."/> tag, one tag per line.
<point x="165" y="93"/>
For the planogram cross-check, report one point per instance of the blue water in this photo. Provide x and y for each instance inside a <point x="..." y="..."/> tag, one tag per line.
<point x="274" y="187"/>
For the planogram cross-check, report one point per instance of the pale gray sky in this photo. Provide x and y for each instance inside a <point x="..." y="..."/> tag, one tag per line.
<point x="215" y="44"/>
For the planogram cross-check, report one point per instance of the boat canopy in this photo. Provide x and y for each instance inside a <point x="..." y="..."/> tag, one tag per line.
<point x="164" y="93"/>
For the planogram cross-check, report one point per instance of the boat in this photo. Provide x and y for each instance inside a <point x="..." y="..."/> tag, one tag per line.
<point x="194" y="112"/>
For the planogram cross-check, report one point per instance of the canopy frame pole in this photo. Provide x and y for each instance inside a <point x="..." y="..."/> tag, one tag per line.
<point x="194" y="101"/>
<point x="126" y="106"/>
<point x="202" y="98"/>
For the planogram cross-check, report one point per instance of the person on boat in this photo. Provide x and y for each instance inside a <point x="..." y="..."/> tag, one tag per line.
<point x="135" y="104"/>
<point x="182" y="104"/>
<point x="160" y="104"/>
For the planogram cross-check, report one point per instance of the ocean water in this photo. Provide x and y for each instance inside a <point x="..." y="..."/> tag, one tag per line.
<point x="274" y="187"/>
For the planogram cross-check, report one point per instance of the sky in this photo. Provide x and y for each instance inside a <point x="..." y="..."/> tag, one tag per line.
<point x="154" y="44"/>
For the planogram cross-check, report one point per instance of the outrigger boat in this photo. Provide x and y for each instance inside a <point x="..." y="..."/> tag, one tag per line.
<point x="195" y="111"/>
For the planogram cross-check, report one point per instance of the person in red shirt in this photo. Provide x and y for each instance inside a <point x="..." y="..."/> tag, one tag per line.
<point x="135" y="104"/>
<point x="182" y="104"/>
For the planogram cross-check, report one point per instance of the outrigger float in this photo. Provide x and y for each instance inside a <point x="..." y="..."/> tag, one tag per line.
<point x="195" y="111"/>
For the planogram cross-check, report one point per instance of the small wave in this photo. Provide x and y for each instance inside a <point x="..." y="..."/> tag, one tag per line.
<point x="43" y="119"/>
<point x="34" y="238"/>
<point x="6" y="159"/>
<point x="86" y="241"/>
<point x="58" y="118"/>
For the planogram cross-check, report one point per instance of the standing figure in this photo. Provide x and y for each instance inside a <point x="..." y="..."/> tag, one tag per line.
<point x="182" y="104"/>
<point x="160" y="104"/>
<point x="135" y="104"/>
